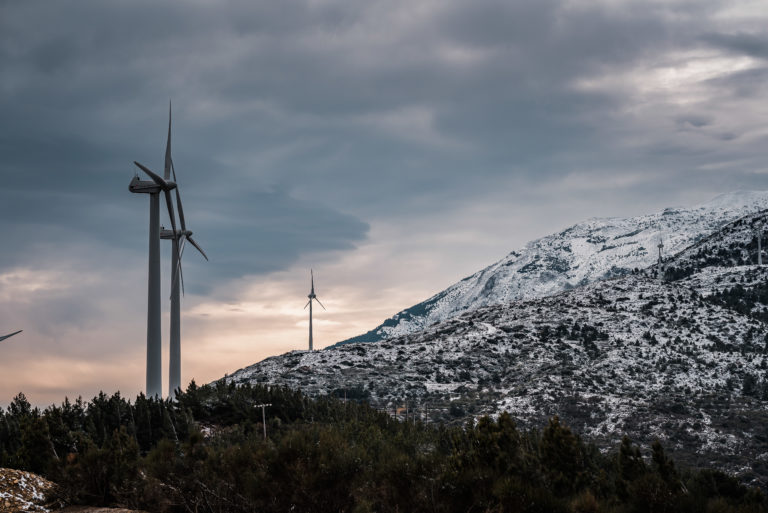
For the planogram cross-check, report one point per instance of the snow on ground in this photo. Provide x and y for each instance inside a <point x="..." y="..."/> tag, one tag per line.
<point x="22" y="491"/>
<point x="592" y="250"/>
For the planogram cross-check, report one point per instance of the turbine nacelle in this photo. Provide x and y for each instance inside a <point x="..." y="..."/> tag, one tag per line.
<point x="143" y="186"/>
<point x="164" y="184"/>
<point x="171" y="234"/>
<point x="312" y="294"/>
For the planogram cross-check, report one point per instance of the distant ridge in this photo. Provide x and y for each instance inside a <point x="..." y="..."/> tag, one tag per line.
<point x="586" y="252"/>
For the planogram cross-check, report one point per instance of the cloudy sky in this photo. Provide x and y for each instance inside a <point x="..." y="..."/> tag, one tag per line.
<point x="394" y="146"/>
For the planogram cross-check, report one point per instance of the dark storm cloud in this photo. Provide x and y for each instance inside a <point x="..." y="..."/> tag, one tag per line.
<point x="295" y="117"/>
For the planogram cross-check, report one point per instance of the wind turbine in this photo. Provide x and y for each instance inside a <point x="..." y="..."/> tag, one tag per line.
<point x="9" y="336"/>
<point x="759" y="243"/>
<point x="154" y="336"/>
<point x="311" y="296"/>
<point x="179" y="239"/>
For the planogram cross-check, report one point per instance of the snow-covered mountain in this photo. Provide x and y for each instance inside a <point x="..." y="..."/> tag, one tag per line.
<point x="593" y="250"/>
<point x="677" y="351"/>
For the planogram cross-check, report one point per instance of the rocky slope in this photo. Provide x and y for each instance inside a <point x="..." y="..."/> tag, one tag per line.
<point x="586" y="252"/>
<point x="25" y="492"/>
<point x="22" y="491"/>
<point x="683" y="359"/>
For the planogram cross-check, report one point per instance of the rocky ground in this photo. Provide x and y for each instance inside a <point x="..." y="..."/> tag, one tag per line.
<point x="22" y="492"/>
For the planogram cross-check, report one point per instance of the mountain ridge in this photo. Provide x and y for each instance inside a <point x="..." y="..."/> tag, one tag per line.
<point x="594" y="249"/>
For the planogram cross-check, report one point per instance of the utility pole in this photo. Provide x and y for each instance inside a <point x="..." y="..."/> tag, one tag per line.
<point x="264" y="416"/>
<point x="661" y="246"/>
<point x="661" y="259"/>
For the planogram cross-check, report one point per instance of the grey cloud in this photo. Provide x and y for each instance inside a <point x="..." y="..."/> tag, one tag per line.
<point x="693" y="120"/>
<point x="754" y="45"/>
<point x="727" y="136"/>
<point x="749" y="83"/>
<point x="84" y="94"/>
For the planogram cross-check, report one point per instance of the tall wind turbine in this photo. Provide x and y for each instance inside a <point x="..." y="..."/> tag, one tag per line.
<point x="9" y="336"/>
<point x="759" y="243"/>
<point x="311" y="296"/>
<point x="154" y="336"/>
<point x="179" y="239"/>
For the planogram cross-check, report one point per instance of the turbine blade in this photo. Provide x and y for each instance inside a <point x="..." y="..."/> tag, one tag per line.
<point x="169" y="202"/>
<point x="178" y="199"/>
<point x="181" y="274"/>
<point x="9" y="336"/>
<point x="191" y="241"/>
<point x="308" y="302"/>
<point x="156" y="178"/>
<point x="178" y="265"/>
<point x="319" y="303"/>
<point x="167" y="173"/>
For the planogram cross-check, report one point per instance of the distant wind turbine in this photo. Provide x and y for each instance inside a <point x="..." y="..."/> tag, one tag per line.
<point x="759" y="228"/>
<point x="311" y="296"/>
<point x="9" y="336"/>
<point x="154" y="335"/>
<point x="179" y="239"/>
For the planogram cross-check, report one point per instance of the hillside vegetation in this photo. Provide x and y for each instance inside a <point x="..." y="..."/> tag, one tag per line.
<point x="205" y="452"/>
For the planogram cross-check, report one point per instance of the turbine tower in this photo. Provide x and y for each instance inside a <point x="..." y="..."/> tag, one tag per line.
<point x="9" y="336"/>
<point x="759" y="243"/>
<point x="311" y="296"/>
<point x="154" y="336"/>
<point x="178" y="239"/>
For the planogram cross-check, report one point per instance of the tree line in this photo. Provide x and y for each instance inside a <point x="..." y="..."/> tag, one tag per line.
<point x="205" y="452"/>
